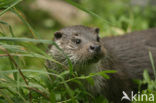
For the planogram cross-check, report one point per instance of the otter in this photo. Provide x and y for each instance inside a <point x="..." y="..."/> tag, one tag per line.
<point x="127" y="54"/>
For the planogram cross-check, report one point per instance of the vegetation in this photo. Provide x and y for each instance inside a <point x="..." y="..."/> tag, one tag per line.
<point x="24" y="76"/>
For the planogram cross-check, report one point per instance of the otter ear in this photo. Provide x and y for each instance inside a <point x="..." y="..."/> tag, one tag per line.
<point x="97" y="30"/>
<point x="58" y="35"/>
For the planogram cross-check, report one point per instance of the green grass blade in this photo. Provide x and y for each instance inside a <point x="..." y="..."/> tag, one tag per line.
<point x="4" y="3"/>
<point x="10" y="28"/>
<point x="15" y="3"/>
<point x="21" y="16"/>
<point x="152" y="62"/>
<point x="7" y="98"/>
<point x="89" y="12"/>
<point x="2" y="34"/>
<point x="37" y="41"/>
<point x="26" y="40"/>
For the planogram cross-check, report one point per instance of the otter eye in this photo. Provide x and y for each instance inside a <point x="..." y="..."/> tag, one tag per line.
<point x="77" y="41"/>
<point x="58" y="35"/>
<point x="98" y="39"/>
<point x="97" y="30"/>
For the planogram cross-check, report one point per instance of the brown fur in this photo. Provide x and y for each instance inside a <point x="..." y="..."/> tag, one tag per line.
<point x="127" y="54"/>
<point x="132" y="51"/>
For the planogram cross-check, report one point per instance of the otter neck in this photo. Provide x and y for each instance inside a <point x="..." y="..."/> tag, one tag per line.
<point x="88" y="68"/>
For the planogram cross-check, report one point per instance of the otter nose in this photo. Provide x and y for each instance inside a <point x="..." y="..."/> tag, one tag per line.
<point x="95" y="48"/>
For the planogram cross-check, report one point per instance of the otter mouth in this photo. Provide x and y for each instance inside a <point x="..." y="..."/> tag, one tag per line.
<point x="86" y="57"/>
<point x="95" y="58"/>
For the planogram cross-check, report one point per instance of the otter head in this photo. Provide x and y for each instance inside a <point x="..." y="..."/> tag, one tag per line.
<point x="80" y="43"/>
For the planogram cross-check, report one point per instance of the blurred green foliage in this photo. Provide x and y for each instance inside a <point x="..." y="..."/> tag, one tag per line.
<point x="121" y="17"/>
<point x="113" y="17"/>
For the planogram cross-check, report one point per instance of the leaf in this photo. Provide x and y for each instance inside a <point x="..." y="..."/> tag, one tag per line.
<point x="90" y="80"/>
<point x="109" y="71"/>
<point x="146" y="76"/>
<point x="104" y="75"/>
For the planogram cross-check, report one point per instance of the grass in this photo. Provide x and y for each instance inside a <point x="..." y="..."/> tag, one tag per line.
<point x="147" y="80"/>
<point x="23" y="74"/>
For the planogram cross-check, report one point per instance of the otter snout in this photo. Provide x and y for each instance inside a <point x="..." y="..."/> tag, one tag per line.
<point x="95" y="48"/>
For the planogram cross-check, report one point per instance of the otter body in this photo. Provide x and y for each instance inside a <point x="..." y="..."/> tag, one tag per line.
<point x="132" y="50"/>
<point x="127" y="54"/>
